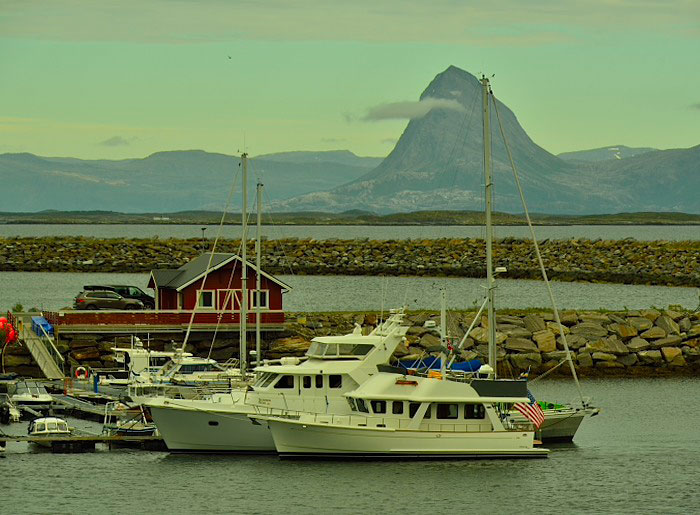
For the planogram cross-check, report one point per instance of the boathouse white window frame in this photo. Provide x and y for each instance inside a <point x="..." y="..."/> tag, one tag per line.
<point x="211" y="305"/>
<point x="264" y="297"/>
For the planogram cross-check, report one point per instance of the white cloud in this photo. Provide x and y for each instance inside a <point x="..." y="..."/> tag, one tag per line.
<point x="410" y="110"/>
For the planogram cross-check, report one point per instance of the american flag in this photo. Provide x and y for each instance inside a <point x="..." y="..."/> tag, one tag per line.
<point x="531" y="410"/>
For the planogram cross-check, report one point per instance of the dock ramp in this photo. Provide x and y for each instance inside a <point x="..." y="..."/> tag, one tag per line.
<point x="41" y="346"/>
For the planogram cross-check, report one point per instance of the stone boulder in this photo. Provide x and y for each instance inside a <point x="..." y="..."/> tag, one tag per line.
<point x="521" y="345"/>
<point x="511" y="330"/>
<point x="638" y="344"/>
<point x="669" y="341"/>
<point x="650" y="357"/>
<point x="640" y="323"/>
<point x="628" y="360"/>
<point x="666" y="323"/>
<point x="651" y="314"/>
<point x="534" y="323"/>
<point x="610" y="345"/>
<point x="574" y="341"/>
<point x="554" y="327"/>
<point x="584" y="359"/>
<point x="525" y="361"/>
<point x="673" y="356"/>
<point x="603" y="356"/>
<point x="597" y="318"/>
<point x="624" y="331"/>
<point x="589" y="330"/>
<point x="546" y="341"/>
<point x="653" y="334"/>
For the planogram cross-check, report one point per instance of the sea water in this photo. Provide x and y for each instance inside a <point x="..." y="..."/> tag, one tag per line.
<point x="639" y="455"/>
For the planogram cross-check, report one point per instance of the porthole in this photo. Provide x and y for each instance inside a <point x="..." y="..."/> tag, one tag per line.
<point x="213" y="423"/>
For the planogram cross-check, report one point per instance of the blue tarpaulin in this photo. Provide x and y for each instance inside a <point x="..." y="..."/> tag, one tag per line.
<point x="38" y="323"/>
<point x="435" y="364"/>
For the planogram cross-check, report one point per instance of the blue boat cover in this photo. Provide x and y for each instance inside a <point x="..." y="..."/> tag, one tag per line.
<point x="435" y="363"/>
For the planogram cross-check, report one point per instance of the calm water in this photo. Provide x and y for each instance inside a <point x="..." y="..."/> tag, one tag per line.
<point x="613" y="232"/>
<point x="51" y="291"/>
<point x="628" y="459"/>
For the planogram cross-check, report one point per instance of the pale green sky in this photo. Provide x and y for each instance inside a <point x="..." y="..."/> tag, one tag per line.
<point x="116" y="79"/>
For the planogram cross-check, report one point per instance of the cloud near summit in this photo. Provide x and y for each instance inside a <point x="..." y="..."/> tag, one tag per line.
<point x="410" y="110"/>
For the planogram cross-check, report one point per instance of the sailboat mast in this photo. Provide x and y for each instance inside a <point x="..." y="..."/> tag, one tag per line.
<point x="258" y="251"/>
<point x="489" y="227"/>
<point x="243" y="336"/>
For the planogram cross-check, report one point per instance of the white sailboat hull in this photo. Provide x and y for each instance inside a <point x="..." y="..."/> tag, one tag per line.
<point x="295" y="438"/>
<point x="211" y="431"/>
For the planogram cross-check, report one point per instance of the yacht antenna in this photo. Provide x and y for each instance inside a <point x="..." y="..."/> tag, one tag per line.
<point x="490" y="283"/>
<point x="258" y="250"/>
<point x="244" y="278"/>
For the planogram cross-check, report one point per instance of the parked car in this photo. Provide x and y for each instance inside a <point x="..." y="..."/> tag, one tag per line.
<point x="126" y="291"/>
<point x="103" y="299"/>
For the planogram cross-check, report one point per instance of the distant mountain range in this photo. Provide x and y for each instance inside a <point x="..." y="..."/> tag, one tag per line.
<point x="166" y="181"/>
<point x="437" y="164"/>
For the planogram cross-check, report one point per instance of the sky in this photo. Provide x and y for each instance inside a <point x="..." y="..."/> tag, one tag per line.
<point x="118" y="79"/>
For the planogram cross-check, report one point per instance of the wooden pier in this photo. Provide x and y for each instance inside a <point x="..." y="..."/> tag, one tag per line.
<point x="82" y="443"/>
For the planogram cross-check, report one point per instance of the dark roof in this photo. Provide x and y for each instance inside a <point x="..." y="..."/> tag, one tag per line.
<point x="196" y="268"/>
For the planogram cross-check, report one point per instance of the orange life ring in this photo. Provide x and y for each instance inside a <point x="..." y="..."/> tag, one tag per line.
<point x="81" y="373"/>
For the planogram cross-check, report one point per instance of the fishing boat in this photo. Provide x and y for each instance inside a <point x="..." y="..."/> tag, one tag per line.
<point x="445" y="413"/>
<point x="123" y="420"/>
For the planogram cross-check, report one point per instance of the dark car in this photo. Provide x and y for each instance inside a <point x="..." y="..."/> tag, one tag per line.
<point x="104" y="300"/>
<point x="126" y="291"/>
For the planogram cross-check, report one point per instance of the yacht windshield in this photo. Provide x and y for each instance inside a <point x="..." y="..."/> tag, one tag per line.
<point x="338" y="350"/>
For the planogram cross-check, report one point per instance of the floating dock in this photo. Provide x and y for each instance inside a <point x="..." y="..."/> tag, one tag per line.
<point x="82" y="443"/>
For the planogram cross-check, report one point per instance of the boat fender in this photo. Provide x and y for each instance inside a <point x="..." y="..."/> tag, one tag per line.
<point x="81" y="373"/>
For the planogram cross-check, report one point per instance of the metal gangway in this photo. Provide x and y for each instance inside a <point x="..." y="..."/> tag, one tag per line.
<point x="41" y="347"/>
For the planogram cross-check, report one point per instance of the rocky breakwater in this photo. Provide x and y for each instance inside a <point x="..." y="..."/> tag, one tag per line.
<point x="616" y="261"/>
<point x="648" y="342"/>
<point x="633" y="343"/>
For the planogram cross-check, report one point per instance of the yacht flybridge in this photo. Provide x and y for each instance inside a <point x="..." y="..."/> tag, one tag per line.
<point x="334" y="365"/>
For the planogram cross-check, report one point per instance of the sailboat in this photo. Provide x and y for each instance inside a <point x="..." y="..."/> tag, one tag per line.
<point x="445" y="413"/>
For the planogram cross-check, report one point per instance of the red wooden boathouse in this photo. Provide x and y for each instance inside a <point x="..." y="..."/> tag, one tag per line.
<point x="207" y="291"/>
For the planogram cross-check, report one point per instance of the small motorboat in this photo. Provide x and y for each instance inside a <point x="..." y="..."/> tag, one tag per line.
<point x="49" y="428"/>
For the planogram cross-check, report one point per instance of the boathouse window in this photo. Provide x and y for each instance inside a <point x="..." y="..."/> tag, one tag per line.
<point x="335" y="381"/>
<point x="361" y="406"/>
<point x="474" y="411"/>
<point x="205" y="299"/>
<point x="378" y="406"/>
<point x="285" y="382"/>
<point x="447" y="411"/>
<point x="397" y="407"/>
<point x="319" y="381"/>
<point x="264" y="296"/>
<point x="306" y="381"/>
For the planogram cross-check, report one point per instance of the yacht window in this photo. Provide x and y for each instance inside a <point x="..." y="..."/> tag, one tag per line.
<point x="378" y="406"/>
<point x="319" y="381"/>
<point x="448" y="411"/>
<point x="397" y="407"/>
<point x="265" y="380"/>
<point x="361" y="406"/>
<point x="474" y="411"/>
<point x="331" y="350"/>
<point x="40" y="427"/>
<point x="428" y="412"/>
<point x="52" y="426"/>
<point x="315" y="349"/>
<point x="285" y="382"/>
<point x="362" y="349"/>
<point x="351" y="402"/>
<point x="306" y="380"/>
<point x="413" y="408"/>
<point x="345" y="349"/>
<point x="335" y="381"/>
<point x="62" y="426"/>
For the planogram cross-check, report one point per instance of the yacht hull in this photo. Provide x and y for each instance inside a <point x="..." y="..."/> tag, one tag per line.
<point x="191" y="430"/>
<point x="559" y="425"/>
<point x="297" y="439"/>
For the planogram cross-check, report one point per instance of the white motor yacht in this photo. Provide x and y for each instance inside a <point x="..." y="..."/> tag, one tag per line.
<point x="396" y="415"/>
<point x="333" y="366"/>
